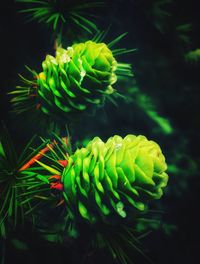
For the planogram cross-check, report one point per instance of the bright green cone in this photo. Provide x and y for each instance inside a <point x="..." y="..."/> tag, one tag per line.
<point x="76" y="78"/>
<point x="116" y="177"/>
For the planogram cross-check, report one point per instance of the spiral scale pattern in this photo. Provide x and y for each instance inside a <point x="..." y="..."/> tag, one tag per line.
<point x="76" y="78"/>
<point x="116" y="177"/>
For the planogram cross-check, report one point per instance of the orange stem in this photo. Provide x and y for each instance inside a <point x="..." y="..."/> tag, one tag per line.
<point x="41" y="154"/>
<point x="36" y="157"/>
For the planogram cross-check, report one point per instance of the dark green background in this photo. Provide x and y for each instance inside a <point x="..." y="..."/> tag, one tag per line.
<point x="162" y="73"/>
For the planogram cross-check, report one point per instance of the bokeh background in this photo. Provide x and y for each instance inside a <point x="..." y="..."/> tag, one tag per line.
<point x="161" y="102"/>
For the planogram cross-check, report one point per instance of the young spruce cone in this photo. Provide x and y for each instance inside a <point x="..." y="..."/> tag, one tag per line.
<point x="116" y="177"/>
<point x="76" y="77"/>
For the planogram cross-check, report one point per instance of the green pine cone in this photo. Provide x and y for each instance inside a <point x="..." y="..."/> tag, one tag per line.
<point x="76" y="78"/>
<point x="116" y="177"/>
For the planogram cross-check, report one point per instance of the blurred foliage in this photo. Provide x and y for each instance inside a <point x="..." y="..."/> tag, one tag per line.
<point x="63" y="16"/>
<point x="183" y="31"/>
<point x="146" y="104"/>
<point x="193" y="56"/>
<point x="159" y="13"/>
